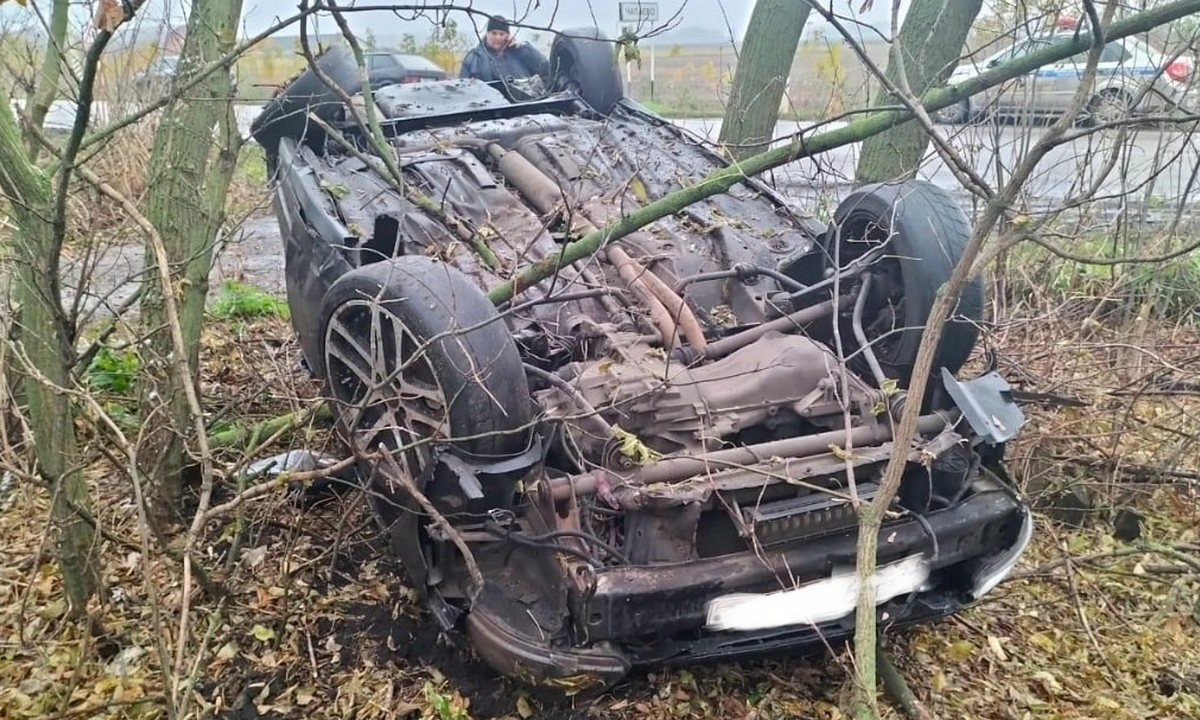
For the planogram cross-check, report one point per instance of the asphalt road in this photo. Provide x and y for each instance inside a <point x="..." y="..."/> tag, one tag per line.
<point x="1149" y="169"/>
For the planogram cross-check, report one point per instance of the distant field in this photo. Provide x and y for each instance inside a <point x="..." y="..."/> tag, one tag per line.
<point x="690" y="81"/>
<point x="694" y="81"/>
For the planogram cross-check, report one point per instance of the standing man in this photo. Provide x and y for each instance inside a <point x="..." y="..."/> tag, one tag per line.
<point x="500" y="56"/>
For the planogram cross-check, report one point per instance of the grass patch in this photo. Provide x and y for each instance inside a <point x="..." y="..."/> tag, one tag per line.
<point x="1169" y="289"/>
<point x="113" y="370"/>
<point x="251" y="165"/>
<point x="239" y="300"/>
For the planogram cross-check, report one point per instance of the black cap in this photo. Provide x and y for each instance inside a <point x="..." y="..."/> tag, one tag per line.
<point x="497" y="22"/>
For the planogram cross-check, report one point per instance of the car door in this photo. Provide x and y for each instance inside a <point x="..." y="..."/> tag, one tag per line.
<point x="1062" y="79"/>
<point x="1010" y="97"/>
<point x="1027" y="96"/>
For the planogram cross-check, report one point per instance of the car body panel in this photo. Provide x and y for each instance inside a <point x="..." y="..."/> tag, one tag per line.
<point x="387" y="68"/>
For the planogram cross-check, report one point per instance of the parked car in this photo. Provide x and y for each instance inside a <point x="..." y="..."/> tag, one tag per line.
<point x="390" y="68"/>
<point x="1132" y="78"/>
<point x="653" y="455"/>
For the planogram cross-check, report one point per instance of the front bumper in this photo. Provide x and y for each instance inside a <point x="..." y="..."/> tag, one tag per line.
<point x="633" y="602"/>
<point x="663" y="614"/>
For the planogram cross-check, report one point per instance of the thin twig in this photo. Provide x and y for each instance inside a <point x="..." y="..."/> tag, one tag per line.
<point x="398" y="474"/>
<point x="1079" y="609"/>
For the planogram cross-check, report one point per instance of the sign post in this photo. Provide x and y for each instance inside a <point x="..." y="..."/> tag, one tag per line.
<point x="639" y="12"/>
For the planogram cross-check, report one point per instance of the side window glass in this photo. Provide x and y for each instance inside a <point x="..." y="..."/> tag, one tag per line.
<point x="1113" y="52"/>
<point x="1015" y="51"/>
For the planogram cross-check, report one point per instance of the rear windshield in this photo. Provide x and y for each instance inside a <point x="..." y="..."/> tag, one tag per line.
<point x="416" y="62"/>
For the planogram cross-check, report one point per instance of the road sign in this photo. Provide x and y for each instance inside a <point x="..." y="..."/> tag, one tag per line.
<point x="638" y="11"/>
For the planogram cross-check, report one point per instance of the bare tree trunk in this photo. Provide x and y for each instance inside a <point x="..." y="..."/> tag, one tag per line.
<point x="762" y="72"/>
<point x="930" y="43"/>
<point x="45" y="343"/>
<point x="185" y="202"/>
<point x="46" y="82"/>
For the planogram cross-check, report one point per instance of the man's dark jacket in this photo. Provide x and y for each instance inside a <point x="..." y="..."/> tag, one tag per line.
<point x="519" y="62"/>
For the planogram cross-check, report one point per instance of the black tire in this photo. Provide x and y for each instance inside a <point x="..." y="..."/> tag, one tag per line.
<point x="469" y="359"/>
<point x="1108" y="106"/>
<point x="286" y="114"/>
<point x="477" y="372"/>
<point x="583" y="62"/>
<point x="956" y="114"/>
<point x="925" y="232"/>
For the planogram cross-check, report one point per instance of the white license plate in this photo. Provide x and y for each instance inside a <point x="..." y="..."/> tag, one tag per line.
<point x="815" y="602"/>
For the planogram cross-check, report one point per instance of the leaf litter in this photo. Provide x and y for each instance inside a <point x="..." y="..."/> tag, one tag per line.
<point x="318" y="623"/>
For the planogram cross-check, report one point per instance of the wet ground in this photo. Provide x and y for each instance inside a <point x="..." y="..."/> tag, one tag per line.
<point x="253" y="255"/>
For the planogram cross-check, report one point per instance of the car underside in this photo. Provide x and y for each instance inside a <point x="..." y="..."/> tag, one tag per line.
<point x="655" y="454"/>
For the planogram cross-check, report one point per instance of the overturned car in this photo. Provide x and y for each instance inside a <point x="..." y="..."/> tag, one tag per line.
<point x="653" y="454"/>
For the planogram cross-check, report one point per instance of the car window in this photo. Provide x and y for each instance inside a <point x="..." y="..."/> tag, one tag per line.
<point x="1017" y="50"/>
<point x="1114" y="52"/>
<point x="416" y="62"/>
<point x="382" y="62"/>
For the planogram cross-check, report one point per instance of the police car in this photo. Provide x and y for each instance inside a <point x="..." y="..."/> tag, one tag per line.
<point x="1132" y="79"/>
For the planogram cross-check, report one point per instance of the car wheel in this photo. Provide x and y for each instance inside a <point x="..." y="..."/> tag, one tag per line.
<point x="923" y="231"/>
<point x="1110" y="106"/>
<point x="286" y="114"/>
<point x="417" y="360"/>
<point x="584" y="62"/>
<point x="955" y="114"/>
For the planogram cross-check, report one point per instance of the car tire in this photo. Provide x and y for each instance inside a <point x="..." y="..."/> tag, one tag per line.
<point x="956" y="114"/>
<point x="467" y="361"/>
<point x="925" y="231"/>
<point x="584" y="62"/>
<point x="1108" y="106"/>
<point x="286" y="114"/>
<point x="468" y="358"/>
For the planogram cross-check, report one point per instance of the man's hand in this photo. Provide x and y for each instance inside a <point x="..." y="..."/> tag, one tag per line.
<point x="513" y="42"/>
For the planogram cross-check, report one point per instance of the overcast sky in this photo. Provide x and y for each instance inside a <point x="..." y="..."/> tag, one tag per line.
<point x="727" y="17"/>
<point x="716" y="14"/>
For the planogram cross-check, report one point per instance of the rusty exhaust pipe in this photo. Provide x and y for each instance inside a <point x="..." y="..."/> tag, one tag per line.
<point x="668" y="311"/>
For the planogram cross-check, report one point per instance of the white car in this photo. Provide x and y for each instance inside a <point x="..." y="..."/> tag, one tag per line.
<point x="1132" y="78"/>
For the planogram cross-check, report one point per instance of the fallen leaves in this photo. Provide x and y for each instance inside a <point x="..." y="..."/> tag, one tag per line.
<point x="262" y="633"/>
<point x="288" y="644"/>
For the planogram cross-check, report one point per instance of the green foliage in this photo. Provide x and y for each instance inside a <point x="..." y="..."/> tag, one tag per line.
<point x="1169" y="289"/>
<point x="446" y="708"/>
<point x="239" y="300"/>
<point x="632" y="447"/>
<point x="252" y="165"/>
<point x="627" y="47"/>
<point x="444" y="46"/>
<point x="112" y="370"/>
